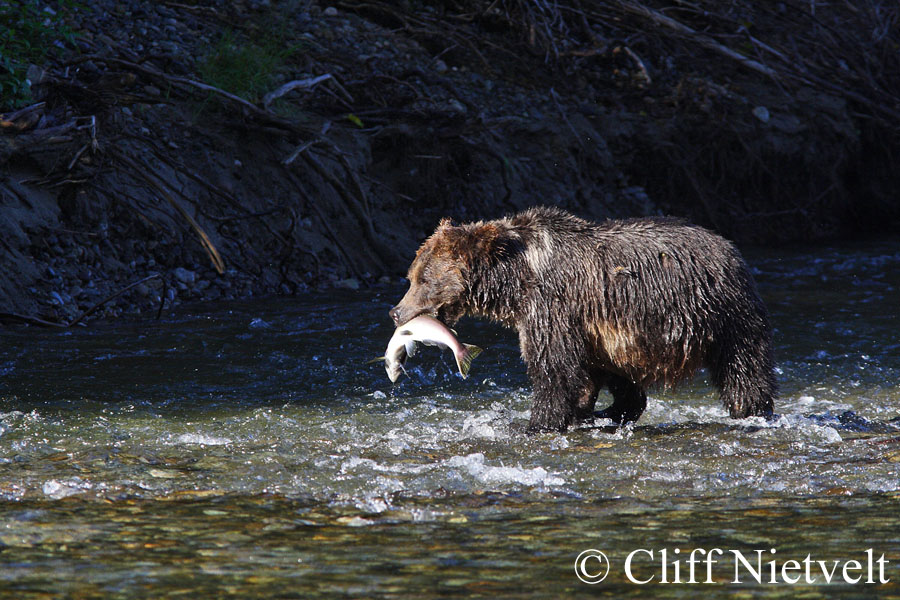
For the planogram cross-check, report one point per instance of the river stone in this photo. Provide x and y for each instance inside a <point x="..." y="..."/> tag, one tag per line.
<point x="761" y="113"/>
<point x="348" y="284"/>
<point x="185" y="276"/>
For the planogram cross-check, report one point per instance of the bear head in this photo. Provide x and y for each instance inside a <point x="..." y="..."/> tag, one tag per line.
<point x="440" y="275"/>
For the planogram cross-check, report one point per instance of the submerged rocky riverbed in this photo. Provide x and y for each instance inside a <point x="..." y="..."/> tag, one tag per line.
<point x="247" y="450"/>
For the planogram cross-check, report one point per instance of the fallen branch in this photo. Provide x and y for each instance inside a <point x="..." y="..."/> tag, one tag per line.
<point x="207" y="244"/>
<point x="298" y="151"/>
<point x="6" y="318"/>
<point x="11" y="145"/>
<point x="356" y="202"/>
<point x="191" y="84"/>
<point x="795" y="71"/>
<point x="17" y="318"/>
<point x="325" y="222"/>
<point x="183" y="170"/>
<point x="290" y="86"/>
<point x="112" y="296"/>
<point x="639" y="62"/>
<point x="704" y="40"/>
<point x="24" y="118"/>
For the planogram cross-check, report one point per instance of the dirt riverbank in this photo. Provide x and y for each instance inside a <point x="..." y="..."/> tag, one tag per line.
<point x="226" y="149"/>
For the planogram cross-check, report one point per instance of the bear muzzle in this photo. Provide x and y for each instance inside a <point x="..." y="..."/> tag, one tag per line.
<point x="403" y="314"/>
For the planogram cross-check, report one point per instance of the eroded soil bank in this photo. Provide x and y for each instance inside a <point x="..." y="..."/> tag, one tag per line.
<point x="161" y="146"/>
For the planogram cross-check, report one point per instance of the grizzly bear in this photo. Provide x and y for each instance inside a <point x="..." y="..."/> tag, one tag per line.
<point x="624" y="304"/>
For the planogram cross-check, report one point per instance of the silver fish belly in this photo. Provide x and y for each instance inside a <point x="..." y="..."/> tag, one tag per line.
<point x="428" y="331"/>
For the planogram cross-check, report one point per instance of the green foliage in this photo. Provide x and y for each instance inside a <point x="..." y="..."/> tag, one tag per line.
<point x="246" y="69"/>
<point x="29" y="33"/>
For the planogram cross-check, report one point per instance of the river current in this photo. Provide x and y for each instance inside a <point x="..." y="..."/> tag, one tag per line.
<point x="249" y="450"/>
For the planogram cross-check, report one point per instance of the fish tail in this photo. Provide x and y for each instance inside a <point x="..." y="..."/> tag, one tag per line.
<point x="464" y="359"/>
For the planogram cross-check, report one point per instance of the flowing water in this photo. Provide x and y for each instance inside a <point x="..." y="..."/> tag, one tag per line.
<point x="248" y="450"/>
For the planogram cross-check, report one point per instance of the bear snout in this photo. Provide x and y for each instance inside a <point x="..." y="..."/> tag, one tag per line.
<point x="401" y="315"/>
<point x="404" y="314"/>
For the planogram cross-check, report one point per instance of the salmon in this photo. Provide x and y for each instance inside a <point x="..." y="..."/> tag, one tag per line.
<point x="428" y="331"/>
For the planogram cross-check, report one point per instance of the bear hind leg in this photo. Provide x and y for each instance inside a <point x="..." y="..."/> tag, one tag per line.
<point x="584" y="411"/>
<point x="629" y="401"/>
<point x="746" y="383"/>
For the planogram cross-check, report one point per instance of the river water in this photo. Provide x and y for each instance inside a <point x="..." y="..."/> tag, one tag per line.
<point x="249" y="450"/>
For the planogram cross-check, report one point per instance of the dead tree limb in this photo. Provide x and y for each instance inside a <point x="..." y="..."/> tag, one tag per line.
<point x="6" y="317"/>
<point x="704" y="40"/>
<point x="207" y="244"/>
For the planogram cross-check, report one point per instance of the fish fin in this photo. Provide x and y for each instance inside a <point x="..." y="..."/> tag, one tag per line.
<point x="465" y="361"/>
<point x="375" y="360"/>
<point x="410" y="348"/>
<point x="394" y="379"/>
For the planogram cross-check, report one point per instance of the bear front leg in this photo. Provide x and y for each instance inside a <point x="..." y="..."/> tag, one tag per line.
<point x="746" y="381"/>
<point x="629" y="401"/>
<point x="561" y="397"/>
<point x="561" y="384"/>
<point x="553" y="406"/>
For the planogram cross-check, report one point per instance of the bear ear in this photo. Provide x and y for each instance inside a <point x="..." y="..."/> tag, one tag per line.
<point x="471" y="243"/>
<point x="468" y="244"/>
<point x="445" y="223"/>
<point x="484" y="237"/>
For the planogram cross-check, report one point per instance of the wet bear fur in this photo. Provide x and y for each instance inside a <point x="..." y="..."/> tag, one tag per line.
<point x="624" y="305"/>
